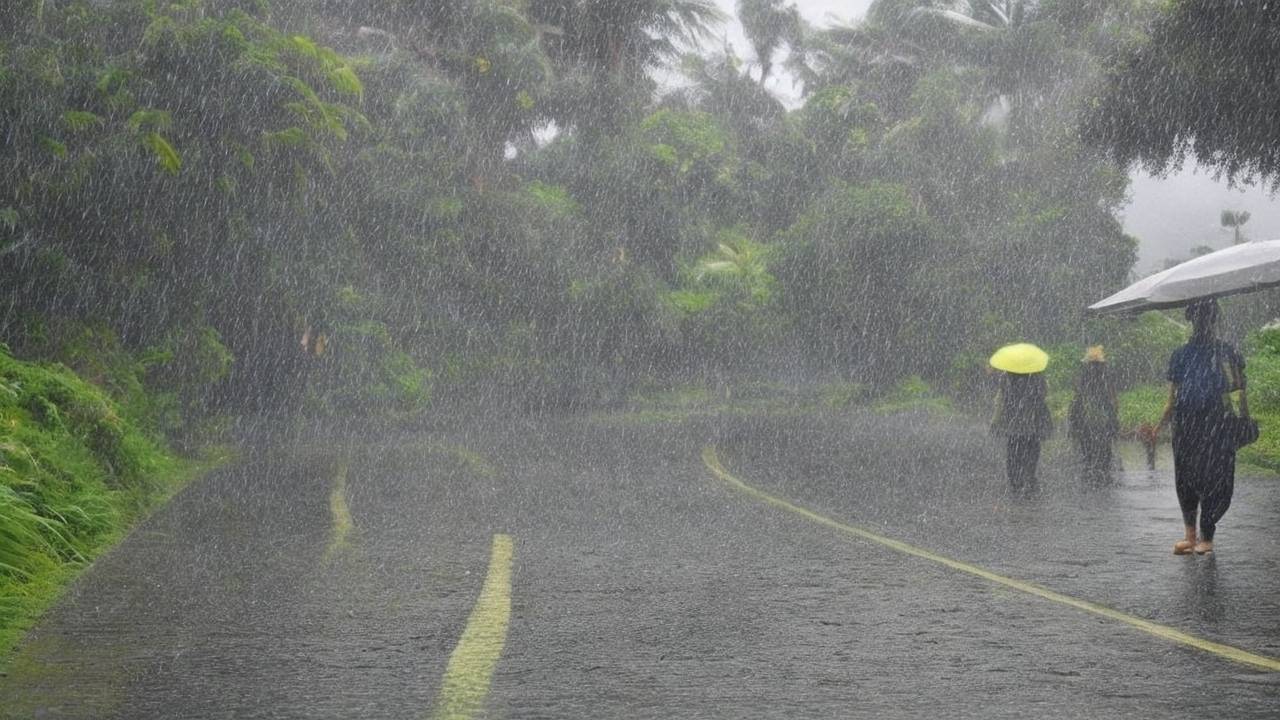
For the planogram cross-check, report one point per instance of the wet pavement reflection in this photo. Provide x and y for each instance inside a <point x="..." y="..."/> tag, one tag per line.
<point x="644" y="587"/>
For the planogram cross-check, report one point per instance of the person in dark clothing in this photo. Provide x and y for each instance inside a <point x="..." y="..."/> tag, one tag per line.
<point x="1202" y="374"/>
<point x="1022" y="417"/>
<point x="1093" y="421"/>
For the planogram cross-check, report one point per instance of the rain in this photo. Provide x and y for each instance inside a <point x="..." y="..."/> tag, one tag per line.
<point x="639" y="359"/>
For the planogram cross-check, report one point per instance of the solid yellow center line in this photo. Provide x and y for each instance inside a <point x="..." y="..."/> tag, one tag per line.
<point x="341" y="513"/>
<point x="471" y="666"/>
<point x="1264" y="662"/>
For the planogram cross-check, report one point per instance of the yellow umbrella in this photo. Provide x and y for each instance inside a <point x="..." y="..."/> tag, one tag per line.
<point x="1020" y="358"/>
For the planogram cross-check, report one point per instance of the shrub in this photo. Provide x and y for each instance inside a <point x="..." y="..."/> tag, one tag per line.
<point x="74" y="471"/>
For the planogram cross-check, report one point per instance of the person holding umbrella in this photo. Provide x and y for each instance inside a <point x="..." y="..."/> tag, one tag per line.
<point x="1201" y="375"/>
<point x="1022" y="415"/>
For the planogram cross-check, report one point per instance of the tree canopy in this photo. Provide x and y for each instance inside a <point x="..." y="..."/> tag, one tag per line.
<point x="343" y="206"/>
<point x="1199" y="81"/>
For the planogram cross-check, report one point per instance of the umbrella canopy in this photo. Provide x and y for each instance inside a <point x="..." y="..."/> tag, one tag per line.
<point x="1020" y="358"/>
<point x="1237" y="269"/>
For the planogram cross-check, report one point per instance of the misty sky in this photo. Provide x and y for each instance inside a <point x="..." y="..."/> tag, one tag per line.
<point x="1169" y="216"/>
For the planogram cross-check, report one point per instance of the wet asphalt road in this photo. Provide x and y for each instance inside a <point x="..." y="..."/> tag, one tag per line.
<point x="643" y="587"/>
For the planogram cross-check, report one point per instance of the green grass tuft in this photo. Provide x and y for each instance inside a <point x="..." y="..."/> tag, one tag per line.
<point x="74" y="475"/>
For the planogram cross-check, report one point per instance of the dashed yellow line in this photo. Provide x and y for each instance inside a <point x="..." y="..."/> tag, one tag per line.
<point x="1264" y="662"/>
<point x="471" y="666"/>
<point x="341" y="513"/>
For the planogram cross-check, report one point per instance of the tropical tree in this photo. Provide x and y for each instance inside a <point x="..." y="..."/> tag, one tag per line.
<point x="985" y="15"/>
<point x="727" y="302"/>
<point x="177" y="182"/>
<point x="856" y="272"/>
<point x="1235" y="219"/>
<point x="882" y="63"/>
<point x="622" y="37"/>
<point x="769" y="24"/>
<point x="719" y="86"/>
<point x="604" y="51"/>
<point x="488" y="52"/>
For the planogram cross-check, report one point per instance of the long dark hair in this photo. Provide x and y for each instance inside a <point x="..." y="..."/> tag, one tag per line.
<point x="1203" y="315"/>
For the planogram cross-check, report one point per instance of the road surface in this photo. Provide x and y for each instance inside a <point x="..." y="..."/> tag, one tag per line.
<point x="609" y="566"/>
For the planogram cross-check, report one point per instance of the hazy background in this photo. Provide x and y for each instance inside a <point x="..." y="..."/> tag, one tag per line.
<point x="1169" y="216"/>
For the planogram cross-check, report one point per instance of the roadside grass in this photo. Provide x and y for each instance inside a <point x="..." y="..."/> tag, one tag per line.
<point x="1144" y="404"/>
<point x="1141" y="404"/>
<point x="75" y="475"/>
<point x="1263" y="373"/>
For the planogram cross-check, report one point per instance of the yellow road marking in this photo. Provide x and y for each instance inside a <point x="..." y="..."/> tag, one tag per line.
<point x="470" y="669"/>
<point x="712" y="461"/>
<point x="341" y="513"/>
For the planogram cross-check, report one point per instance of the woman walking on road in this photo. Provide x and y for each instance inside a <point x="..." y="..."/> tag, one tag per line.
<point x="1093" y="421"/>
<point x="1201" y="375"/>
<point x="1022" y="415"/>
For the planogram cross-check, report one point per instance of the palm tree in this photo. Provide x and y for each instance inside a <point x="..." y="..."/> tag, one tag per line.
<point x="871" y="54"/>
<point x="1003" y="42"/>
<point x="970" y="32"/>
<point x="978" y="14"/>
<point x="719" y="87"/>
<point x="1235" y="219"/>
<point x="604" y="50"/>
<point x="738" y="259"/>
<point x="622" y="37"/>
<point x="768" y="24"/>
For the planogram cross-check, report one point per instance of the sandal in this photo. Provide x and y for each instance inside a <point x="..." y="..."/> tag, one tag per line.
<point x="1204" y="548"/>
<point x="1183" y="547"/>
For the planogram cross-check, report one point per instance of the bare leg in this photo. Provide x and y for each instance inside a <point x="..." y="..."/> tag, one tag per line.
<point x="1187" y="545"/>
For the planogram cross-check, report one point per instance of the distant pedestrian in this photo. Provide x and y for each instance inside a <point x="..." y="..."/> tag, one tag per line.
<point x="1022" y="418"/>
<point x="1201" y="375"/>
<point x="1093" y="421"/>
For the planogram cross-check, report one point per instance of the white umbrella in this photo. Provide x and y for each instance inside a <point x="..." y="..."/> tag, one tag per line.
<point x="1238" y="269"/>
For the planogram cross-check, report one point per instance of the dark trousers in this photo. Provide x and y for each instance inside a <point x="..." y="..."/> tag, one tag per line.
<point x="1021" y="458"/>
<point x="1204" y="468"/>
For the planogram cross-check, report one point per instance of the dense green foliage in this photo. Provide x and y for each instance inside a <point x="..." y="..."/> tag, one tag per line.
<point x="75" y="471"/>
<point x="1263" y="372"/>
<point x="172" y="169"/>
<point x="331" y="207"/>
